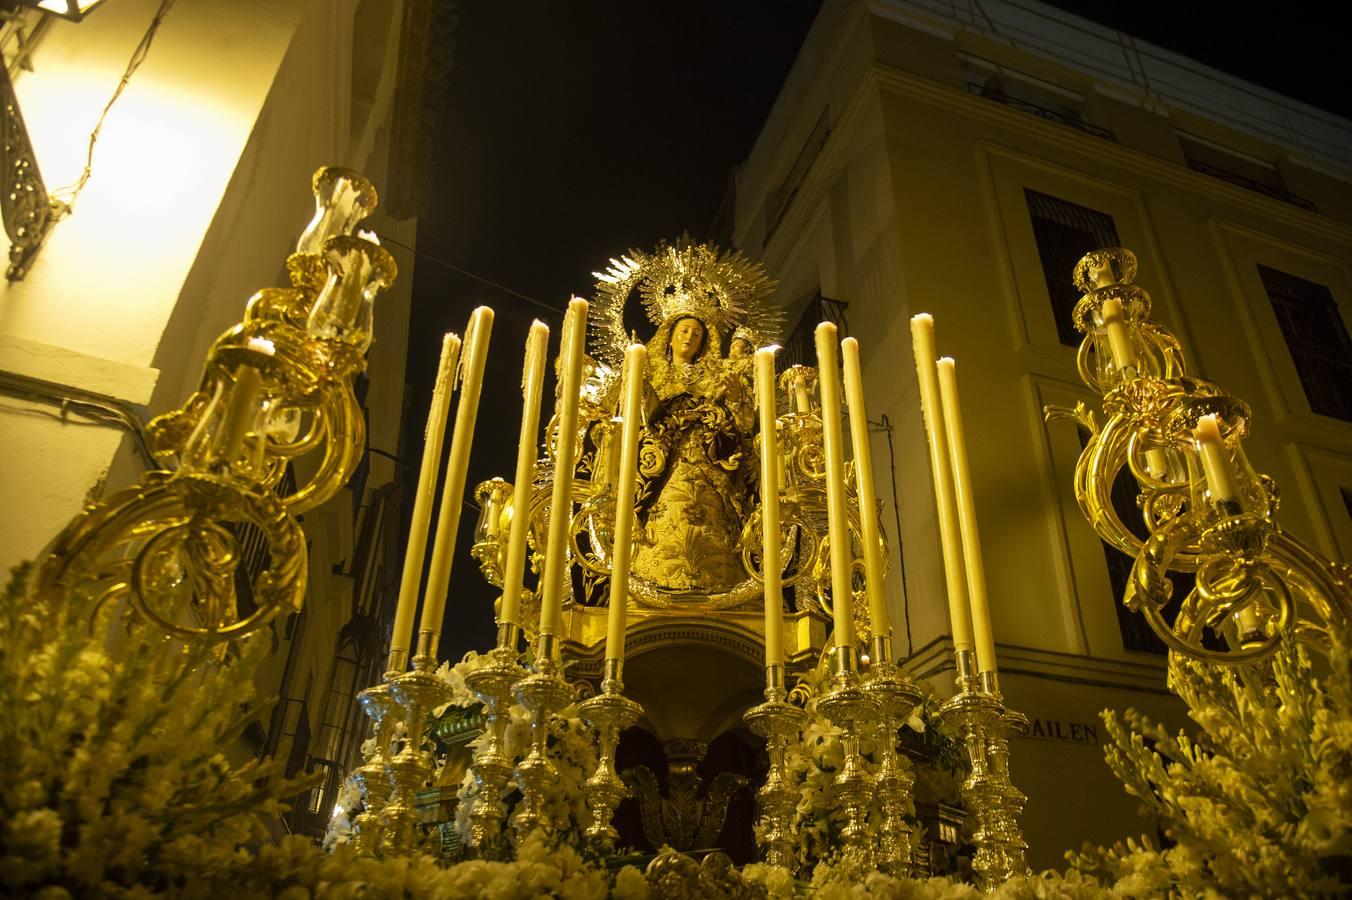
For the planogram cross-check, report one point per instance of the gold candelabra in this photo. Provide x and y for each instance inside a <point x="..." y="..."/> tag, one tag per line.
<point x="417" y="692"/>
<point x="855" y="710"/>
<point x="275" y="387"/>
<point x="1204" y="507"/>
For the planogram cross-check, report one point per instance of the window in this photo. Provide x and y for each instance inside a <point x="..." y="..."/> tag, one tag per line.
<point x="1317" y="338"/>
<point x="1064" y="232"/>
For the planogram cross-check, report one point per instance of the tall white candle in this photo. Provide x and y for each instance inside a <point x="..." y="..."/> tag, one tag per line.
<point x="770" y="536"/>
<point x="241" y="413"/>
<point x="457" y="467"/>
<point x="1119" y="338"/>
<point x="532" y="382"/>
<point x="950" y="537"/>
<point x="828" y="382"/>
<point x="879" y="620"/>
<point x="1215" y="461"/>
<point x="561" y="500"/>
<point x="801" y="401"/>
<point x="626" y="454"/>
<point x="971" y="541"/>
<point x="423" y="501"/>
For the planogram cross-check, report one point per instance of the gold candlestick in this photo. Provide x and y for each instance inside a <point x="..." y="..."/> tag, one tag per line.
<point x="542" y="693"/>
<point x="492" y="767"/>
<point x="779" y="723"/>
<point x="855" y="711"/>
<point x="988" y="794"/>
<point x="417" y="692"/>
<point x="371" y="779"/>
<point x="609" y="713"/>
<point x="897" y="697"/>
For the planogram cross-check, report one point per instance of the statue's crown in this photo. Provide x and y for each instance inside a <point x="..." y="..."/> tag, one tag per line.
<point x="724" y="289"/>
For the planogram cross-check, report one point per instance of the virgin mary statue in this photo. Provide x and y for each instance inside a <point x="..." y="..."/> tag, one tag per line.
<point x="697" y="462"/>
<point x="697" y="456"/>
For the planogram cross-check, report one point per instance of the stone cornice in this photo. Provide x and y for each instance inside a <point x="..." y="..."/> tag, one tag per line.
<point x="1148" y="674"/>
<point x="878" y="78"/>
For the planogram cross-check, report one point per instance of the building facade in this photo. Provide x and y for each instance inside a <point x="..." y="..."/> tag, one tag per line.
<point x="198" y="189"/>
<point x="957" y="159"/>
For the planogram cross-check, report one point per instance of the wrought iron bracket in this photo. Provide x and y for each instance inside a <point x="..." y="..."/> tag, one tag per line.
<point x="25" y="206"/>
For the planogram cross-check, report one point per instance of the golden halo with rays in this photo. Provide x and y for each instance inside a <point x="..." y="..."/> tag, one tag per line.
<point x="722" y="287"/>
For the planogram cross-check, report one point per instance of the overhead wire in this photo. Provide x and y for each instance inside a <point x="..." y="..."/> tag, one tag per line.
<point x="65" y="197"/>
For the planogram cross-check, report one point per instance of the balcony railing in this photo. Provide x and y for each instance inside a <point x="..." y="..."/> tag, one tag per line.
<point x="799" y="348"/>
<point x="1041" y="112"/>
<point x="1256" y="186"/>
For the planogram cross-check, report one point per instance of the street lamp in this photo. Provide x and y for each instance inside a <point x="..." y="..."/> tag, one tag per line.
<point x="74" y="10"/>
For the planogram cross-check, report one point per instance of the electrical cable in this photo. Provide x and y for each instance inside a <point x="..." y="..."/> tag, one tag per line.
<point x="901" y="548"/>
<point x="65" y="197"/>
<point x="384" y="238"/>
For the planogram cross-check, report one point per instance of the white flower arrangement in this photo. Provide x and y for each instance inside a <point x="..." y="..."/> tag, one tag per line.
<point x="115" y="786"/>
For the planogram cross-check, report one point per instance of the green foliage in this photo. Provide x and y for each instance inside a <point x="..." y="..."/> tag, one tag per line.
<point x="1260" y="801"/>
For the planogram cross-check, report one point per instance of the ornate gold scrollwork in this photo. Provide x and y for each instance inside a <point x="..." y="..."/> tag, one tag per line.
<point x="275" y="387"/>
<point x="1255" y="582"/>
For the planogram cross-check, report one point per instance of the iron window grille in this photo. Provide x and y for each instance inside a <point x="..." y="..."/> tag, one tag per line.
<point x="1317" y="339"/>
<point x="1064" y="232"/>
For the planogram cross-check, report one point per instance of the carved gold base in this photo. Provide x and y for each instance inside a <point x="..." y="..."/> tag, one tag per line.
<point x="371" y="779"/>
<point x="854" y="710"/>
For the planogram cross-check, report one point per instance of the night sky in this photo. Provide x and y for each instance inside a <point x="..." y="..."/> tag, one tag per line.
<point x="575" y="130"/>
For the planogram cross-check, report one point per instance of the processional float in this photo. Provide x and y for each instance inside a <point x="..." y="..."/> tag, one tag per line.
<point x="672" y="473"/>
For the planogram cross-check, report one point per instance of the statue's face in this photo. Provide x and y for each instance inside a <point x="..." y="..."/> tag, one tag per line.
<point x="740" y="349"/>
<point x="687" y="337"/>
